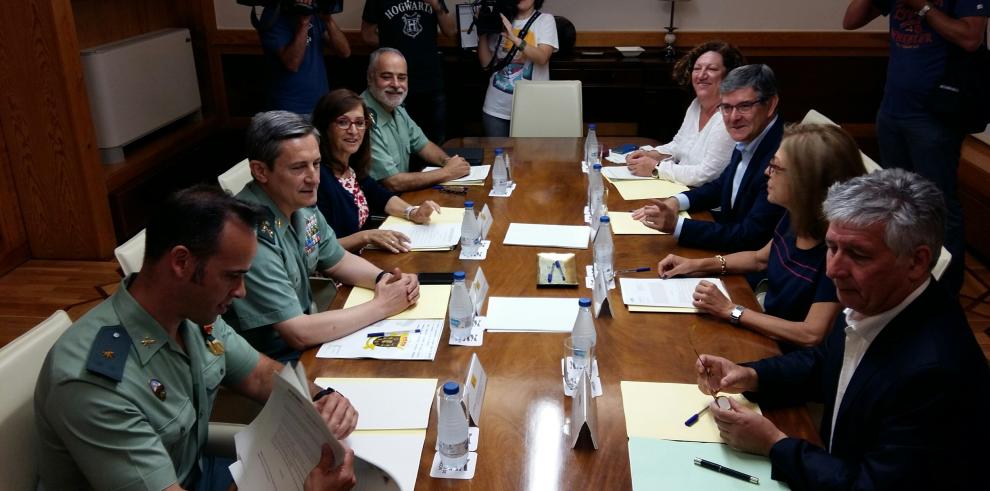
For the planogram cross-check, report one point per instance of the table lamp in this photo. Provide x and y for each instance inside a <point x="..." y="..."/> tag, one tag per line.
<point x="669" y="52"/>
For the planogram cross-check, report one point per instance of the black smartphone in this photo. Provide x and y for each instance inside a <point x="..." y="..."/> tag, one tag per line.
<point x="435" y="278"/>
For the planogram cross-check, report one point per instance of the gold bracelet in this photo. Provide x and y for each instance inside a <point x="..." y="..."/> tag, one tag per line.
<point x="721" y="263"/>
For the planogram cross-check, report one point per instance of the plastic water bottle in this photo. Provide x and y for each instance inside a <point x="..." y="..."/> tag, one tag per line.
<point x="470" y="230"/>
<point x="604" y="248"/>
<point x="583" y="336"/>
<point x="452" y="428"/>
<point x="596" y="195"/>
<point x="590" y="139"/>
<point x="461" y="308"/>
<point x="500" y="172"/>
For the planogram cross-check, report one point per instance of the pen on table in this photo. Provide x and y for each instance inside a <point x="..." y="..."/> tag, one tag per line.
<point x="451" y="189"/>
<point x="561" y="269"/>
<point x="694" y="418"/>
<point x="391" y="333"/>
<point x="721" y="469"/>
<point x="633" y="270"/>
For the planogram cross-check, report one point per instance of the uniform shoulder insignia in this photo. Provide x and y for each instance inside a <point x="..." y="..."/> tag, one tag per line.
<point x="266" y="229"/>
<point x="108" y="355"/>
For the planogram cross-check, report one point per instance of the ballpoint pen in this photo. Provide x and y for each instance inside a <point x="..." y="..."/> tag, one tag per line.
<point x="633" y="270"/>
<point x="391" y="333"/>
<point x="721" y="469"/>
<point x="451" y="189"/>
<point x="694" y="417"/>
<point x="561" y="269"/>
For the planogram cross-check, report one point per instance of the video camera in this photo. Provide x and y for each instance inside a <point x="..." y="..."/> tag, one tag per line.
<point x="488" y="21"/>
<point x="298" y="7"/>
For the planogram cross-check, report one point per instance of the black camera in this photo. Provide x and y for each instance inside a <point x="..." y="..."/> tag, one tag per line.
<point x="316" y="7"/>
<point x="488" y="20"/>
<point x="299" y="8"/>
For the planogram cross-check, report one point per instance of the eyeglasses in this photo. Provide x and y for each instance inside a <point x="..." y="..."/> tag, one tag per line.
<point x="773" y="167"/>
<point x="743" y="108"/>
<point x="344" y="123"/>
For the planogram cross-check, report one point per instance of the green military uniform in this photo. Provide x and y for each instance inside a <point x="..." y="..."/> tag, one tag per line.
<point x="394" y="137"/>
<point x="289" y="251"/>
<point x="120" y="405"/>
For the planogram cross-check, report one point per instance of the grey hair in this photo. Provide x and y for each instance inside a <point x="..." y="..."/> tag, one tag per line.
<point x="910" y="207"/>
<point x="759" y="77"/>
<point x="267" y="130"/>
<point x="373" y="59"/>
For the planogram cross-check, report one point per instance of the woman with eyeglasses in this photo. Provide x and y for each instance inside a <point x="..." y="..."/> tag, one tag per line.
<point x="701" y="148"/>
<point x="347" y="196"/>
<point x="800" y="303"/>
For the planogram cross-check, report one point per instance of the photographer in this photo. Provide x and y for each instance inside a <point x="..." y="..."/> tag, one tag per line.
<point x="293" y="34"/>
<point x="531" y="61"/>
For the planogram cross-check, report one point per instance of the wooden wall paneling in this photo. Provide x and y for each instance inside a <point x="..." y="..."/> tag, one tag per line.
<point x="974" y="194"/>
<point x="103" y="21"/>
<point x="13" y="241"/>
<point x="49" y="134"/>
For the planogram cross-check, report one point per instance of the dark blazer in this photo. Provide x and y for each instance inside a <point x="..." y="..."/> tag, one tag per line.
<point x="337" y="204"/>
<point x="749" y="224"/>
<point x="913" y="415"/>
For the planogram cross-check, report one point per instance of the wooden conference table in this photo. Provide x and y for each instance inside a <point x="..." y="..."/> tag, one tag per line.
<point x="522" y="444"/>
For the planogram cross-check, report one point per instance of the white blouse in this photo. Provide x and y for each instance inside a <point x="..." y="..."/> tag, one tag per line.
<point x="697" y="157"/>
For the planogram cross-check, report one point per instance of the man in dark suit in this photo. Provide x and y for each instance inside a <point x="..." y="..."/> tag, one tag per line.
<point x="903" y="382"/>
<point x="744" y="219"/>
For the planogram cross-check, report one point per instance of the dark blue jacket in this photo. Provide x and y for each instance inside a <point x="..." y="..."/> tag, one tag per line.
<point x="337" y="203"/>
<point x="912" y="416"/>
<point x="749" y="224"/>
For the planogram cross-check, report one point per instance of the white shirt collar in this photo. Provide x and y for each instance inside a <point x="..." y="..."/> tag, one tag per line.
<point x="747" y="148"/>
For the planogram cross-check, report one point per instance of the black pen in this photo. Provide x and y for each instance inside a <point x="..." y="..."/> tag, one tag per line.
<point x="725" y="470"/>
<point x="633" y="270"/>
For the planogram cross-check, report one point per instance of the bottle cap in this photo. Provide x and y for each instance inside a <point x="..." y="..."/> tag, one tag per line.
<point x="451" y="388"/>
<point x="469" y="204"/>
<point x="584" y="302"/>
<point x="498" y="151"/>
<point x="592" y="126"/>
<point x="458" y="275"/>
<point x="597" y="166"/>
<point x="604" y="219"/>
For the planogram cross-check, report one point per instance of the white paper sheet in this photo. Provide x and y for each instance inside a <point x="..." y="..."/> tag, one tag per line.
<point x="400" y="341"/>
<point x="429" y="236"/>
<point x="616" y="158"/>
<point x="477" y="173"/>
<point x="531" y="314"/>
<point x="535" y="234"/>
<point x="396" y="451"/>
<point x="622" y="174"/>
<point x="387" y="403"/>
<point x="655" y="292"/>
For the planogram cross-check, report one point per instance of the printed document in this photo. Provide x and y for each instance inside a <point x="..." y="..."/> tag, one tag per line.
<point x="411" y="339"/>
<point x="676" y="293"/>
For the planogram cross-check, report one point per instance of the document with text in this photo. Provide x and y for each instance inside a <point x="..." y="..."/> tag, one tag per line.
<point x="407" y="339"/>
<point x="673" y="293"/>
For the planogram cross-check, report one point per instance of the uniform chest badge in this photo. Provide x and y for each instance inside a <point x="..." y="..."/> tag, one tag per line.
<point x="157" y="388"/>
<point x="312" y="234"/>
<point x="214" y="344"/>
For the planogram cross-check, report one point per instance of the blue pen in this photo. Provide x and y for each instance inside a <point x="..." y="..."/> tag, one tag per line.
<point x="561" y="269"/>
<point x="391" y="333"/>
<point x="694" y="418"/>
<point x="633" y="270"/>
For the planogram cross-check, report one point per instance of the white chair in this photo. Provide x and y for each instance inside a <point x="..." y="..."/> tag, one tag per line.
<point x="546" y="108"/>
<point x="818" y="118"/>
<point x="944" y="258"/>
<point x="234" y="180"/>
<point x="20" y="363"/>
<point x="130" y="254"/>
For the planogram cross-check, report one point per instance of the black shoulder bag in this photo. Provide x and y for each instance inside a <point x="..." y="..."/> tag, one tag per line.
<point x="496" y="64"/>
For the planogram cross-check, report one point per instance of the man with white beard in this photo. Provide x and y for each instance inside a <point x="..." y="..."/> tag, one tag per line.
<point x="395" y="136"/>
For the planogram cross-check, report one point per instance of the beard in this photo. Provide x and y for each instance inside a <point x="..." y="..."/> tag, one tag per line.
<point x="390" y="98"/>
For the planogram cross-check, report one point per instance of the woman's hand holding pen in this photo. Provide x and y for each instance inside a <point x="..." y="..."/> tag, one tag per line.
<point x="421" y="214"/>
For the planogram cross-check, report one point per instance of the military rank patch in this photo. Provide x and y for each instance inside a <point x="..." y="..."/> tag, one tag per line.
<point x="108" y="354"/>
<point x="157" y="388"/>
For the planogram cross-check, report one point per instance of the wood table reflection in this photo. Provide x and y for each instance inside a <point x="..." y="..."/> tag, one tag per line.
<point x="522" y="443"/>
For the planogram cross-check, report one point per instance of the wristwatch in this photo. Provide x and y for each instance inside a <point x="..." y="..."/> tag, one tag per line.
<point x="923" y="11"/>
<point x="736" y="313"/>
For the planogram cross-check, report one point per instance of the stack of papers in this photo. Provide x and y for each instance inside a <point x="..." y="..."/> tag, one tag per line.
<point x="441" y="234"/>
<point x="622" y="174"/>
<point x="623" y="224"/>
<point x="476" y="177"/>
<point x="392" y="424"/>
<point x="633" y="189"/>
<point x="432" y="302"/>
<point x="535" y="234"/>
<point x="388" y="340"/>
<point x="531" y="314"/>
<point x="662" y="449"/>
<point x="673" y="295"/>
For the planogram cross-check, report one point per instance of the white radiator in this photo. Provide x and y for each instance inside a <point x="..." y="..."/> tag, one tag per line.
<point x="138" y="85"/>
